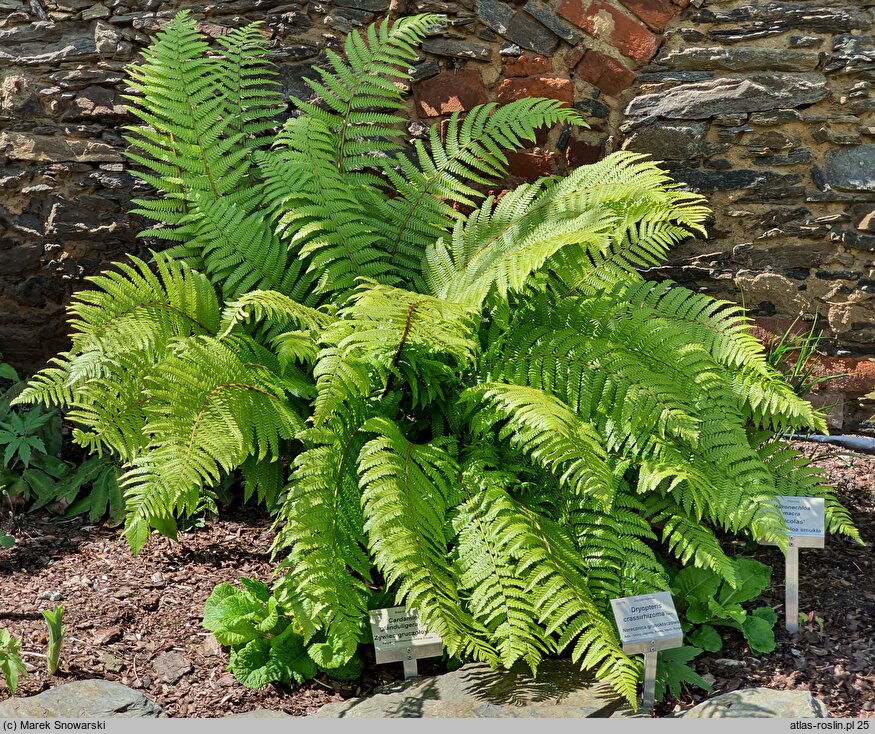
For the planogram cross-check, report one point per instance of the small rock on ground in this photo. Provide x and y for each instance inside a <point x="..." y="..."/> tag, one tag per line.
<point x="169" y="667"/>
<point x="81" y="699"/>
<point x="759" y="703"/>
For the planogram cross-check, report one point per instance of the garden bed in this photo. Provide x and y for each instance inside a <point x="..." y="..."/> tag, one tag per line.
<point x="136" y="620"/>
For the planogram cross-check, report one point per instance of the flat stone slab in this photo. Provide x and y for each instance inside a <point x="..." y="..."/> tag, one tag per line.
<point x="477" y="691"/>
<point x="82" y="699"/>
<point x="759" y="703"/>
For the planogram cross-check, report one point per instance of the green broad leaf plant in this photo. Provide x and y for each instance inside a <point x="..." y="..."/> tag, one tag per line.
<point x="472" y="404"/>
<point x="706" y="601"/>
<point x="11" y="665"/>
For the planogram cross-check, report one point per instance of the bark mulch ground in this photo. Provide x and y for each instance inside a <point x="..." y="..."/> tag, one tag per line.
<point x="136" y="620"/>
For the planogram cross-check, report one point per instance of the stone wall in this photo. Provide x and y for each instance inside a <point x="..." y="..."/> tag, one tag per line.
<point x="764" y="106"/>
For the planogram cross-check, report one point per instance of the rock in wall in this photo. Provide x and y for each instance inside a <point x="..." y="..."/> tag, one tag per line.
<point x="764" y="106"/>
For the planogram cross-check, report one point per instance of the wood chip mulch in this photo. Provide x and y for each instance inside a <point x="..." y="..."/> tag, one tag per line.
<point x="136" y="620"/>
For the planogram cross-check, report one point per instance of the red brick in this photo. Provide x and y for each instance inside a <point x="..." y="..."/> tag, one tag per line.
<point x="578" y="153"/>
<point x="529" y="166"/>
<point x="449" y="92"/>
<point x="526" y="66"/>
<point x="655" y="13"/>
<point x="573" y="56"/>
<point x="605" y="72"/>
<point x="536" y="86"/>
<point x="859" y="374"/>
<point x="606" y="22"/>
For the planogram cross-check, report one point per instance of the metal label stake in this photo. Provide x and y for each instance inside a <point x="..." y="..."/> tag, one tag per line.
<point x="805" y="520"/>
<point x="648" y="623"/>
<point x="648" y="697"/>
<point x="410" y="669"/>
<point x="791" y="583"/>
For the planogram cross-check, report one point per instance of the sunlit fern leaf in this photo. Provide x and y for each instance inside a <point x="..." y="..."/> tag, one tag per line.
<point x="498" y="597"/>
<point x="502" y="245"/>
<point x="353" y="89"/>
<point x="688" y="539"/>
<point x="248" y="81"/>
<point x="322" y="537"/>
<point x="237" y="250"/>
<point x="467" y="151"/>
<point x="211" y="406"/>
<point x="549" y="433"/>
<point x="272" y="307"/>
<point x="614" y="545"/>
<point x="407" y="490"/>
<point x="122" y="329"/>
<point x="381" y="329"/>
<point x="556" y="577"/>
<point x="198" y="115"/>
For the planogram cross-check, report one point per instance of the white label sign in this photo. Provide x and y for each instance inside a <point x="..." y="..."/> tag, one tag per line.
<point x="647" y="622"/>
<point x="399" y="635"/>
<point x="805" y="520"/>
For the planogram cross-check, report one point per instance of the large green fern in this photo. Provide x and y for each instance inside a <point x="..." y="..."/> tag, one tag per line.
<point x="481" y="407"/>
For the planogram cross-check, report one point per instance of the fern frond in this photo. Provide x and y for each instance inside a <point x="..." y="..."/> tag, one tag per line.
<point x="213" y="405"/>
<point x="321" y="533"/>
<point x="407" y="490"/>
<point x="467" y="151"/>
<point x="549" y="432"/>
<point x="351" y="90"/>
<point x="195" y="111"/>
<point x="387" y="332"/>
<point x="247" y="81"/>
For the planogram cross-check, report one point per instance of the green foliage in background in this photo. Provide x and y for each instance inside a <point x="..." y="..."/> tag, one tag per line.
<point x="485" y="411"/>
<point x="11" y="665"/>
<point x="33" y="476"/>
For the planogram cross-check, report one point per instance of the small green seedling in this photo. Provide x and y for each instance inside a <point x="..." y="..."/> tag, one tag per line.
<point x="54" y="619"/>
<point x="11" y="664"/>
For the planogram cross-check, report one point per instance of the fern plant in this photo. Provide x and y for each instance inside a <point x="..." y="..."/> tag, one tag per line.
<point x="475" y="405"/>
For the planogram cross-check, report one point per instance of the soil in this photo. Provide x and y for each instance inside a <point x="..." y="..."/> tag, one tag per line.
<point x="136" y="620"/>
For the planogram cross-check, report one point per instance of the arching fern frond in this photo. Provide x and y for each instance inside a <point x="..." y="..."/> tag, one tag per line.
<point x="549" y="432"/>
<point x="468" y="151"/>
<point x="212" y="406"/>
<point x="198" y="113"/>
<point x="352" y="90"/>
<point x="321" y="533"/>
<point x="407" y="490"/>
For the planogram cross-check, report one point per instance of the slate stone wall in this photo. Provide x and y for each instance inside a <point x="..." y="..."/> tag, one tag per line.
<point x="764" y="106"/>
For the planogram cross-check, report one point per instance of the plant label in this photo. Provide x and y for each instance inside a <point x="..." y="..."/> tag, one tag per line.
<point x="400" y="636"/>
<point x="647" y="623"/>
<point x="805" y="520"/>
<point x="806" y="528"/>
